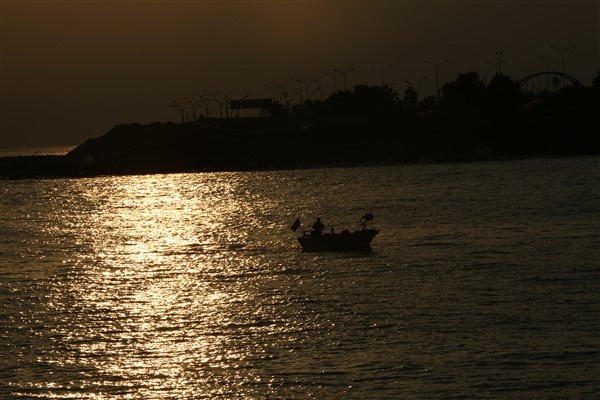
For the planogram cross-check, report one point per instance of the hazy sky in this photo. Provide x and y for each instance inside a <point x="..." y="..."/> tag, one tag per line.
<point x="71" y="70"/>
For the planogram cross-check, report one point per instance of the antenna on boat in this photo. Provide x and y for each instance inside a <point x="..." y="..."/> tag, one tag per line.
<point x="295" y="225"/>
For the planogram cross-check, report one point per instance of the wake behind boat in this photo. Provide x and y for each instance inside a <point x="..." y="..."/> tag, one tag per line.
<point x="316" y="240"/>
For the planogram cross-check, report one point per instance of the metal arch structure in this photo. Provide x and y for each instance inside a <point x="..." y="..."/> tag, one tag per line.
<point x="567" y="77"/>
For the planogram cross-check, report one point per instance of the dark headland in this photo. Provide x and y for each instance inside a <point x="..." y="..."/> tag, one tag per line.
<point x="349" y="128"/>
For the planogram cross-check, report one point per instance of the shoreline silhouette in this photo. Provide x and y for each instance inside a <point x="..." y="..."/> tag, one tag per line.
<point x="368" y="124"/>
<point x="174" y="148"/>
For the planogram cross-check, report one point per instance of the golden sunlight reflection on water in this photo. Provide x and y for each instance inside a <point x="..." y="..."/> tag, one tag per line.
<point x="162" y="297"/>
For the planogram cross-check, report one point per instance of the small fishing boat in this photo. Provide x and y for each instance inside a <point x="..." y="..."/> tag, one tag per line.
<point x="345" y="240"/>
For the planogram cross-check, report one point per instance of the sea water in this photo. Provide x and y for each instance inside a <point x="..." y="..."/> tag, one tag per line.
<point x="484" y="283"/>
<point x="35" y="151"/>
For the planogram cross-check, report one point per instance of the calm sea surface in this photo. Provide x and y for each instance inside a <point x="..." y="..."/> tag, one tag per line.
<point x="484" y="283"/>
<point x="35" y="151"/>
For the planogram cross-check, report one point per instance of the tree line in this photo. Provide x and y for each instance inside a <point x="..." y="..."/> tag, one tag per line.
<point x="465" y="97"/>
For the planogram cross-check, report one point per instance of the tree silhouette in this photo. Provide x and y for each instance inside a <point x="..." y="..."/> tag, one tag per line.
<point x="464" y="96"/>
<point x="596" y="81"/>
<point x="411" y="97"/>
<point x="363" y="101"/>
<point x="503" y="95"/>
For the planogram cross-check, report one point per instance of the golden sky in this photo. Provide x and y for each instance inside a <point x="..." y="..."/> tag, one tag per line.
<point x="70" y="70"/>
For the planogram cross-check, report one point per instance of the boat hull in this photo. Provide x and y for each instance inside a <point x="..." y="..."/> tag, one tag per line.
<point x="345" y="241"/>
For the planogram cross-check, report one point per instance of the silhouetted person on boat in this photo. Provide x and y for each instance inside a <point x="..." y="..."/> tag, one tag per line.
<point x="364" y="219"/>
<point x="317" y="228"/>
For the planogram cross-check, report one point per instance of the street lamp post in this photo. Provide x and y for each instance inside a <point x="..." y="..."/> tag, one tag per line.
<point x="562" y="54"/>
<point x="221" y="102"/>
<point x="306" y="82"/>
<point x="344" y="73"/>
<point x="381" y="70"/>
<point x="334" y="78"/>
<point x="279" y="87"/>
<point x="500" y="61"/>
<point x="495" y="66"/>
<point x="418" y="87"/>
<point x="241" y="103"/>
<point x="547" y="73"/>
<point x="437" y="77"/>
<point x="314" y="92"/>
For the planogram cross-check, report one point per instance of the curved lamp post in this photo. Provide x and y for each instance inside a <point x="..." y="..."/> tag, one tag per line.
<point x="344" y="73"/>
<point x="381" y="70"/>
<point x="562" y="55"/>
<point x="437" y="77"/>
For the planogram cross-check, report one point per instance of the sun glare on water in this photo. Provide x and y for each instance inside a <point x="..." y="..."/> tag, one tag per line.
<point x="158" y="259"/>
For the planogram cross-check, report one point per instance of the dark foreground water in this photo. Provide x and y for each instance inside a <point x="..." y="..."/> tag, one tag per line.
<point x="484" y="283"/>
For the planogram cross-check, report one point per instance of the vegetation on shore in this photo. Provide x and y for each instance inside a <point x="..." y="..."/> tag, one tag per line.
<point x="469" y="121"/>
